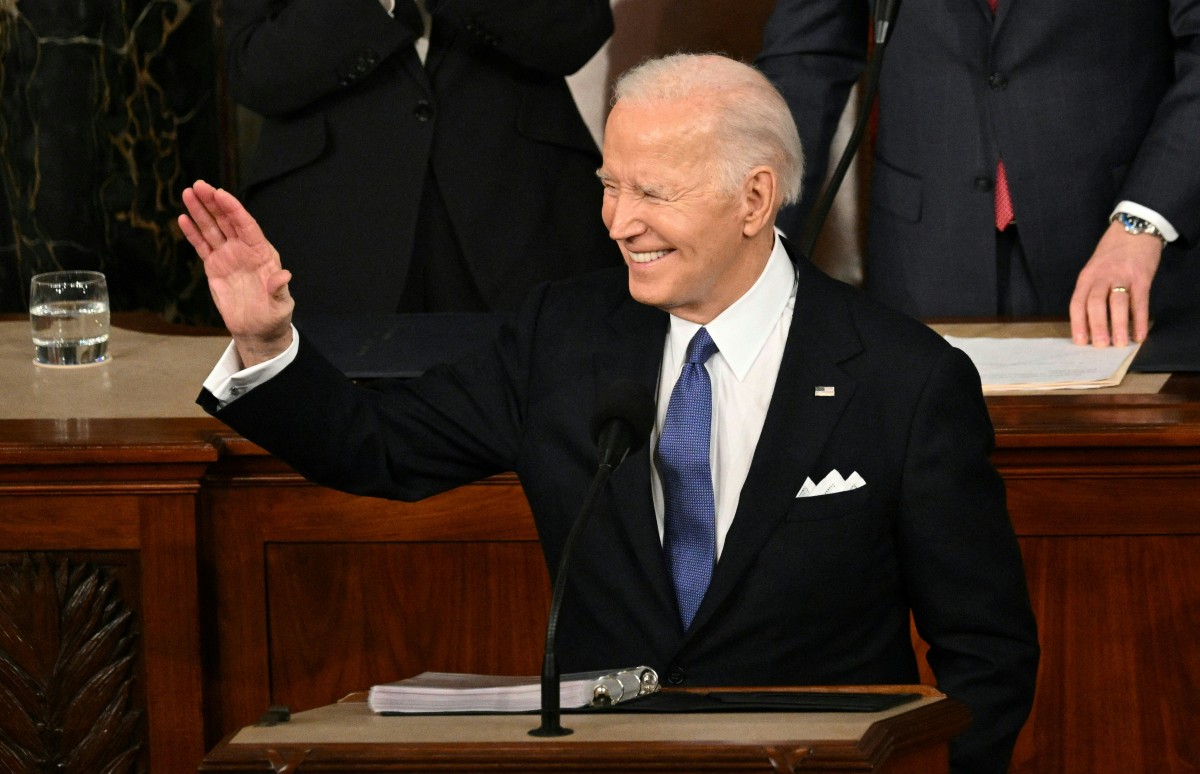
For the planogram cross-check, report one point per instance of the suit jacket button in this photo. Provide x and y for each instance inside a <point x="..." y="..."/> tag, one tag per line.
<point x="983" y="183"/>
<point x="676" y="676"/>
<point x="998" y="81"/>
<point x="423" y="111"/>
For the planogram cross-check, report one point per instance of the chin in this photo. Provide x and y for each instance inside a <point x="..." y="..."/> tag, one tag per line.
<point x="646" y="293"/>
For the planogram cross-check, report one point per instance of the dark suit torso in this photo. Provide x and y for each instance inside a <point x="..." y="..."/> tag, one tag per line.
<point x="1089" y="103"/>
<point x="355" y="126"/>
<point x="807" y="590"/>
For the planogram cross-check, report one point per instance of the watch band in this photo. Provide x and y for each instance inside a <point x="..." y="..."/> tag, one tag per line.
<point x="1135" y="225"/>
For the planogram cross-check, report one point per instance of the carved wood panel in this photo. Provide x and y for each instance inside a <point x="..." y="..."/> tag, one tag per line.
<point x="72" y="695"/>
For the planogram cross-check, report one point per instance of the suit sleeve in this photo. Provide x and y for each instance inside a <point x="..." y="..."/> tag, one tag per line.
<point x="963" y="568"/>
<point x="399" y="439"/>
<point x="284" y="56"/>
<point x="1163" y="175"/>
<point x="814" y="51"/>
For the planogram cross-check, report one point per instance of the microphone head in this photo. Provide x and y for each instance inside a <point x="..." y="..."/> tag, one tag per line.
<point x="623" y="418"/>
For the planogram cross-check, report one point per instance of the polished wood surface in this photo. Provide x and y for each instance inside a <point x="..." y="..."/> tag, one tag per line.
<point x="110" y="511"/>
<point x="347" y="737"/>
<point x="1104" y="493"/>
<point x="320" y="592"/>
<point x="248" y="586"/>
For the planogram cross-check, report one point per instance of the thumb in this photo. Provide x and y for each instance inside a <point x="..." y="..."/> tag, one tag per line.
<point x="277" y="284"/>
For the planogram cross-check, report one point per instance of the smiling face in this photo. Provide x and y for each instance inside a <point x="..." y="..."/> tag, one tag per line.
<point x="692" y="249"/>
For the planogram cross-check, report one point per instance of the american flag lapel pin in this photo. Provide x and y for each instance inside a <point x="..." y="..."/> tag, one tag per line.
<point x="823" y="391"/>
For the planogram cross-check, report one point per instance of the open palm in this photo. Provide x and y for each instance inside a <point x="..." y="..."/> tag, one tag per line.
<point x="247" y="281"/>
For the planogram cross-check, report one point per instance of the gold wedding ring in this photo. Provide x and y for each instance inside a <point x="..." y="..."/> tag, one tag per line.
<point x="1119" y="289"/>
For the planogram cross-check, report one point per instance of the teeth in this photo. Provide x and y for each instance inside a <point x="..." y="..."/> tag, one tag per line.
<point x="647" y="257"/>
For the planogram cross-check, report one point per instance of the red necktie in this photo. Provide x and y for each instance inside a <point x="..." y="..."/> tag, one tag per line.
<point x="1003" y="199"/>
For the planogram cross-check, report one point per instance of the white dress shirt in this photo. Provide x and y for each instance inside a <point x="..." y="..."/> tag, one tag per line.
<point x="750" y="336"/>
<point x="1150" y="216"/>
<point x="421" y="43"/>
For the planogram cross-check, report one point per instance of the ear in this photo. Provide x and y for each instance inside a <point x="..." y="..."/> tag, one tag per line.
<point x="758" y="199"/>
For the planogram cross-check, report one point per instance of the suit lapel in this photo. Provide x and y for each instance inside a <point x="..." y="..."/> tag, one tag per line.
<point x="441" y="37"/>
<point x="996" y="19"/>
<point x="633" y="350"/>
<point x="797" y="426"/>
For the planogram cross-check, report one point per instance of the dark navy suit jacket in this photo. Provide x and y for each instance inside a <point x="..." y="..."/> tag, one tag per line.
<point x="355" y="126"/>
<point x="1090" y="102"/>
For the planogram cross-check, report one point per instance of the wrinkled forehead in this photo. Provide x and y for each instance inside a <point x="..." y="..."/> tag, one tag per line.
<point x="671" y="135"/>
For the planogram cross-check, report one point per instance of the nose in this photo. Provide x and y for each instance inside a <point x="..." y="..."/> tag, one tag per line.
<point x="621" y="216"/>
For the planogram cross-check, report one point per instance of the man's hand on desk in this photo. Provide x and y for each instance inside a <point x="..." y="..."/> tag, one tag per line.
<point x="1115" y="286"/>
<point x="248" y="283"/>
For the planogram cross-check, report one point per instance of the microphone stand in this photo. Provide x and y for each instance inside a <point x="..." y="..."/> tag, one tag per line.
<point x="885" y="16"/>
<point x="551" y="708"/>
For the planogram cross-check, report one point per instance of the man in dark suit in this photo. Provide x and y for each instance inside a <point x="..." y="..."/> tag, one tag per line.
<point x="1076" y="113"/>
<point x="395" y="148"/>
<point x="843" y="474"/>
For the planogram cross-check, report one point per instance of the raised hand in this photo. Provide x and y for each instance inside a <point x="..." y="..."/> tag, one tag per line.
<point x="247" y="281"/>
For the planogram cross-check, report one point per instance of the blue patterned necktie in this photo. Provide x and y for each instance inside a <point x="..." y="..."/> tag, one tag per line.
<point x="689" y="535"/>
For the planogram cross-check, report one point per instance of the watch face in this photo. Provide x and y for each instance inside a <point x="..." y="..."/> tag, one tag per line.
<point x="1136" y="225"/>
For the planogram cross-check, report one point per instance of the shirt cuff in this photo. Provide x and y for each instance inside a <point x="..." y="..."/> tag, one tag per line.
<point x="229" y="381"/>
<point x="1150" y="216"/>
<point x="389" y="6"/>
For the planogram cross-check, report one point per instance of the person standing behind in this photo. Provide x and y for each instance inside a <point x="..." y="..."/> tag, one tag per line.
<point x="421" y="157"/>
<point x="1032" y="158"/>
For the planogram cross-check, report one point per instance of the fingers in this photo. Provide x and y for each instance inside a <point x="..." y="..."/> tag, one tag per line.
<point x="1140" y="308"/>
<point x="203" y="231"/>
<point x="236" y="221"/>
<point x="1101" y="314"/>
<point x="193" y="236"/>
<point x="1079" y="317"/>
<point x="1118" y="315"/>
<point x="1113" y="290"/>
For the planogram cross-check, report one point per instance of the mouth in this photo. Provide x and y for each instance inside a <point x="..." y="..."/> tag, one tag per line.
<point x="647" y="257"/>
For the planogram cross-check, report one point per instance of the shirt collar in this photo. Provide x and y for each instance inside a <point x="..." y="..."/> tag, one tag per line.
<point x="742" y="329"/>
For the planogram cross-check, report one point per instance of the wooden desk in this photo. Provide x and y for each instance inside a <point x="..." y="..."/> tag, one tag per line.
<point x="347" y="737"/>
<point x="234" y="584"/>
<point x="100" y="468"/>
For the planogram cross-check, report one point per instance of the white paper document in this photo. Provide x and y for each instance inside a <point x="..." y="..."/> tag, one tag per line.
<point x="1012" y="364"/>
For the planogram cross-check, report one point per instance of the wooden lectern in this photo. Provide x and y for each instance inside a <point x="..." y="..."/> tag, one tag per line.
<point x="347" y="737"/>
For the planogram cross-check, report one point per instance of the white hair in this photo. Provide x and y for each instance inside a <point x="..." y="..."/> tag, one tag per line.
<point x="753" y="123"/>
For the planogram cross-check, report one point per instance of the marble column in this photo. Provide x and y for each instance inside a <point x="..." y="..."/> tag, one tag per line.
<point x="108" y="109"/>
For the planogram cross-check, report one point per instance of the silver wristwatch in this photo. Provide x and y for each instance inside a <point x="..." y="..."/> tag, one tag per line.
<point x="1135" y="225"/>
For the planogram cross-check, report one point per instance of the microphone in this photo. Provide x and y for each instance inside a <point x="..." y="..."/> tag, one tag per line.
<point x="622" y="421"/>
<point x="884" y="12"/>
<point x="620" y="425"/>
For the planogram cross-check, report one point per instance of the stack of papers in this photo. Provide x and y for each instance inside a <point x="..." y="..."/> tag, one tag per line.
<point x="1017" y="364"/>
<point x="431" y="692"/>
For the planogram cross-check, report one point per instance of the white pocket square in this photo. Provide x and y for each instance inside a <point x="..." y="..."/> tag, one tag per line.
<point x="831" y="484"/>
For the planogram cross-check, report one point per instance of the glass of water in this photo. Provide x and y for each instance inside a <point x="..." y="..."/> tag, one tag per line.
<point x="68" y="314"/>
